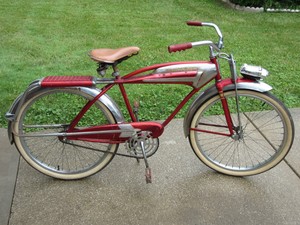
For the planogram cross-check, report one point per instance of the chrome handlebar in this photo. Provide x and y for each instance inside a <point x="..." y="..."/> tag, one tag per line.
<point x="217" y="47"/>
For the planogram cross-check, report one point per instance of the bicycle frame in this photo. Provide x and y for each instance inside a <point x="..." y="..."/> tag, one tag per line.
<point x="195" y="74"/>
<point x="222" y="110"/>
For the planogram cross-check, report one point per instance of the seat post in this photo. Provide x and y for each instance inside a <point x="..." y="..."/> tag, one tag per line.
<point x="102" y="67"/>
<point x="116" y="72"/>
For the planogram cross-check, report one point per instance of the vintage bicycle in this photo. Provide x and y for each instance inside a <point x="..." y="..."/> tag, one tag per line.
<point x="235" y="126"/>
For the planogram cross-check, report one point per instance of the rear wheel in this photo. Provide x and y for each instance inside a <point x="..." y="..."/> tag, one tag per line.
<point x="51" y="111"/>
<point x="264" y="139"/>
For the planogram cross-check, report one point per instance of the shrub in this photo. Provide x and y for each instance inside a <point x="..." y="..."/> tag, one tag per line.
<point x="269" y="3"/>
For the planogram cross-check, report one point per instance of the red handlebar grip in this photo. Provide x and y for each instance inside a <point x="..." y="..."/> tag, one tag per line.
<point x="194" y="23"/>
<point x="179" y="47"/>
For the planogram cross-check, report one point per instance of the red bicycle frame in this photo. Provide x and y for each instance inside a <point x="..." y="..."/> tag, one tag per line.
<point x="167" y="73"/>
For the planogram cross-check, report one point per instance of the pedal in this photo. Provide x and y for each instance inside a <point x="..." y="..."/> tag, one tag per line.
<point x="148" y="175"/>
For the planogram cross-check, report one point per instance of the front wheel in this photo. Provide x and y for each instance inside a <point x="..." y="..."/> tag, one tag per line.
<point x="49" y="112"/>
<point x="262" y="141"/>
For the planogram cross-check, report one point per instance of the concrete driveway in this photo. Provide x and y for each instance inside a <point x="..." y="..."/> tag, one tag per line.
<point x="184" y="191"/>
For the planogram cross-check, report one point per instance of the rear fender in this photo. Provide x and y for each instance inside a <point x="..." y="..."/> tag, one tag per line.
<point x="227" y="85"/>
<point x="35" y="87"/>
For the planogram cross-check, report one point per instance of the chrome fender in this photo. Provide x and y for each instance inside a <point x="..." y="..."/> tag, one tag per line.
<point x="34" y="88"/>
<point x="254" y="85"/>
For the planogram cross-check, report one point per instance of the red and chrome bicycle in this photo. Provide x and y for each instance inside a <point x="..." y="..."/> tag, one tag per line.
<point x="235" y="126"/>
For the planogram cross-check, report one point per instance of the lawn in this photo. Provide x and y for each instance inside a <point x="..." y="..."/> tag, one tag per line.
<point x="40" y="38"/>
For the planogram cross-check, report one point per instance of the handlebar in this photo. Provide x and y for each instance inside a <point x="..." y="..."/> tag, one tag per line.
<point x="185" y="46"/>
<point x="179" y="47"/>
<point x="194" y="23"/>
<point x="182" y="47"/>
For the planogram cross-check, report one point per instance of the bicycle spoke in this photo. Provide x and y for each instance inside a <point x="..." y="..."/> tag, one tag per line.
<point x="261" y="133"/>
<point x="254" y="147"/>
<point x="43" y="122"/>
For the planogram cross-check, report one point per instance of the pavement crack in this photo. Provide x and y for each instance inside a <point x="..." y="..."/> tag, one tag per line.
<point x="292" y="168"/>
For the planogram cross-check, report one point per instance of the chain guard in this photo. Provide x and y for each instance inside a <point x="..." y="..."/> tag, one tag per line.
<point x="150" y="144"/>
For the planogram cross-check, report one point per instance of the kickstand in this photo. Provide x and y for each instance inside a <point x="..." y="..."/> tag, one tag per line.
<point x="136" y="106"/>
<point x="148" y="173"/>
<point x="137" y="159"/>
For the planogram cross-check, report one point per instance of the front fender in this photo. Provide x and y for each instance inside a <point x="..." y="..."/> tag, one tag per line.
<point x="243" y="84"/>
<point x="35" y="88"/>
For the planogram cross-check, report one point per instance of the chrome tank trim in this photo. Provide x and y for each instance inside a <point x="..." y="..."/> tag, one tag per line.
<point x="186" y="67"/>
<point x="205" y="73"/>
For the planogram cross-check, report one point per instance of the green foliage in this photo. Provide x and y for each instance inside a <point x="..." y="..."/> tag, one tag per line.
<point x="40" y="38"/>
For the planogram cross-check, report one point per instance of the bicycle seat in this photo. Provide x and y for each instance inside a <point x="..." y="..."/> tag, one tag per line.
<point x="110" y="56"/>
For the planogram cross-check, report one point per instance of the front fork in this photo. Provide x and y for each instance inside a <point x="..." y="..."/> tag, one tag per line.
<point x="226" y="111"/>
<point x="234" y="130"/>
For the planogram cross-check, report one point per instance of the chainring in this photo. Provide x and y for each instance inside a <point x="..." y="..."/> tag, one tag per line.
<point x="133" y="145"/>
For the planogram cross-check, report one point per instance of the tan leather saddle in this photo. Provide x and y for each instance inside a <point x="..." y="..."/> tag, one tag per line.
<point x="112" y="56"/>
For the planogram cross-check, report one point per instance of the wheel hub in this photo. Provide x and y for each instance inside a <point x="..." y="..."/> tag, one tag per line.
<point x="239" y="134"/>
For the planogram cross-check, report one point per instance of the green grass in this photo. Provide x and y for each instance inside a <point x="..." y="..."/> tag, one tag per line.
<point x="40" y="38"/>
